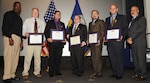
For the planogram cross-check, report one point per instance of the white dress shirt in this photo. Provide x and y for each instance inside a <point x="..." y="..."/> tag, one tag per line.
<point x="28" y="26"/>
<point x="75" y="26"/>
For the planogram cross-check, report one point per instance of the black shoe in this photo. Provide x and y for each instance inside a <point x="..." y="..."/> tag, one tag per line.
<point x="16" y="78"/>
<point x="74" y="73"/>
<point x="58" y="74"/>
<point x="7" y="81"/>
<point x="118" y="77"/>
<point x="79" y="75"/>
<point x="51" y="76"/>
<point x="113" y="76"/>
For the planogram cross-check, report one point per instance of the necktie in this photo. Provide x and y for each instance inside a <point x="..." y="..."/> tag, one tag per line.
<point x="74" y="29"/>
<point x="130" y="23"/>
<point x="35" y="27"/>
<point x="58" y="25"/>
<point x="113" y="21"/>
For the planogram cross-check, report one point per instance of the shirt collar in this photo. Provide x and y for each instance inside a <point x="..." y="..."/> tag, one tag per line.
<point x="34" y="18"/>
<point x="56" y="20"/>
<point x="94" y="20"/>
<point x="114" y="15"/>
<point x="76" y="24"/>
<point x="134" y="17"/>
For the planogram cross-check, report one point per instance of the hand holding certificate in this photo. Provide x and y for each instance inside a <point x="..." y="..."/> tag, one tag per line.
<point x="113" y="34"/>
<point x="93" y="38"/>
<point x="57" y="35"/>
<point x="35" y="39"/>
<point x="75" y="40"/>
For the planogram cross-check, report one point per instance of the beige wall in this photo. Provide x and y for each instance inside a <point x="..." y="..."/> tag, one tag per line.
<point x="147" y="15"/>
<point x="66" y="7"/>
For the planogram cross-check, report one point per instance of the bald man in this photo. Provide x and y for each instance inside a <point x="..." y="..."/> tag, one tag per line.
<point x="116" y="47"/>
<point x="137" y="40"/>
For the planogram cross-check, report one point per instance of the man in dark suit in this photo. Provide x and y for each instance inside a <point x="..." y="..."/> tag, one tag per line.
<point x="77" y="51"/>
<point x="55" y="48"/>
<point x="97" y="25"/>
<point x="137" y="40"/>
<point x="116" y="47"/>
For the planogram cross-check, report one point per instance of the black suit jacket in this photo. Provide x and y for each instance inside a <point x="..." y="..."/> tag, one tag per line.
<point x="51" y="25"/>
<point x="81" y="30"/>
<point x="137" y="31"/>
<point x="120" y="22"/>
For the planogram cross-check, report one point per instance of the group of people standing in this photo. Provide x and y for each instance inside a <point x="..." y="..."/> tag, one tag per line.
<point x="14" y="30"/>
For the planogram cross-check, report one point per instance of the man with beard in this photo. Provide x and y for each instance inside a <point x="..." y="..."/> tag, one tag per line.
<point x="97" y="25"/>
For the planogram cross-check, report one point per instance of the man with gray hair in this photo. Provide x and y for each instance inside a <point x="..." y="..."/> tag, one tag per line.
<point x="138" y="43"/>
<point x="32" y="25"/>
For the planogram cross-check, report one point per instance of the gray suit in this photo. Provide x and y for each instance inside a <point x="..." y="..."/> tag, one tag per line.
<point x="137" y="31"/>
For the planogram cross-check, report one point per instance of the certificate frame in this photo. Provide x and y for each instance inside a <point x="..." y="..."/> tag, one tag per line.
<point x="113" y="34"/>
<point x="59" y="37"/>
<point x="93" y="34"/>
<point x="35" y="39"/>
<point x="76" y="38"/>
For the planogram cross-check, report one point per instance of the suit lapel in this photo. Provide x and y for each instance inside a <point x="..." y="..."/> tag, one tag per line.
<point x="137" y="18"/>
<point x="109" y="22"/>
<point x="78" y="28"/>
<point x="54" y="25"/>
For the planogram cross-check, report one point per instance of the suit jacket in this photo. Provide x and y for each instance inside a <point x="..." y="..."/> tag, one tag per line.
<point x="137" y="31"/>
<point x="120" y="22"/>
<point x="81" y="30"/>
<point x="51" y="25"/>
<point x="98" y="26"/>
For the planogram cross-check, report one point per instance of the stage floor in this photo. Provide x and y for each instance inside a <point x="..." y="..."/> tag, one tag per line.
<point x="69" y="78"/>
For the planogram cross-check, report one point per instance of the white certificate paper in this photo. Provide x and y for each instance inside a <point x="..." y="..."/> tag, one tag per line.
<point x="35" y="39"/>
<point x="93" y="38"/>
<point x="75" y="40"/>
<point x="113" y="34"/>
<point x="57" y="35"/>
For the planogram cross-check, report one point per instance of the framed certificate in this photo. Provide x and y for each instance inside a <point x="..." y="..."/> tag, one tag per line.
<point x="113" y="34"/>
<point x="75" y="40"/>
<point x="35" y="39"/>
<point x="57" y="35"/>
<point x="93" y="38"/>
